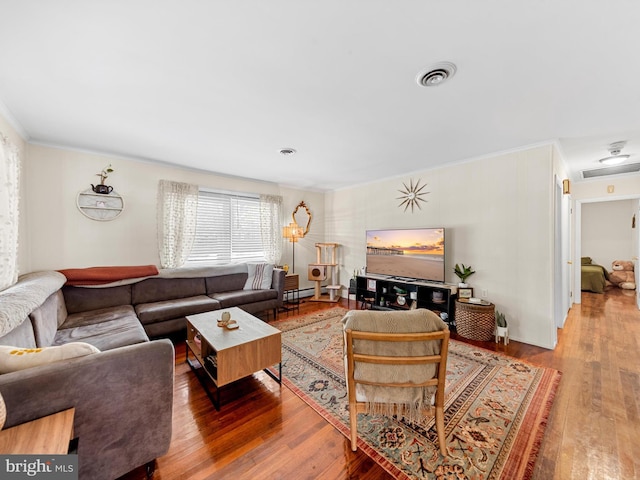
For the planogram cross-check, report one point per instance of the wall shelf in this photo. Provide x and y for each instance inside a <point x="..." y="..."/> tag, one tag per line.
<point x="100" y="206"/>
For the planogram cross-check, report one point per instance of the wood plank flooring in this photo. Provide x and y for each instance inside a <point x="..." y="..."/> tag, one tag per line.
<point x="265" y="431"/>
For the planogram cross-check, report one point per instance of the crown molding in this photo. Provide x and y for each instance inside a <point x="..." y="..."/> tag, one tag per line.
<point x="17" y="126"/>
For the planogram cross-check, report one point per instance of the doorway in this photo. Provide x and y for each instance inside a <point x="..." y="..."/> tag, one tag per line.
<point x="605" y="231"/>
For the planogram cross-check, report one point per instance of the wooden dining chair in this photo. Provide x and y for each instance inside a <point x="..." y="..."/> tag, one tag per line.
<point x="395" y="364"/>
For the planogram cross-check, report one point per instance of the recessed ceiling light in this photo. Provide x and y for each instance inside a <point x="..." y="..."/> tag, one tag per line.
<point x="436" y="75"/>
<point x="287" y="151"/>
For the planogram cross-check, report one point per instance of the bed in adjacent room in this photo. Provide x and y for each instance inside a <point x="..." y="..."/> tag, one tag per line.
<point x="594" y="277"/>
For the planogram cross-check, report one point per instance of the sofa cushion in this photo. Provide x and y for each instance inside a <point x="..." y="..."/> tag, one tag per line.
<point x="226" y="283"/>
<point x="170" y="309"/>
<point x="47" y="318"/>
<point x="259" y="276"/>
<point x="21" y="336"/>
<point x="13" y="359"/>
<point x="241" y="297"/>
<point x="106" y="335"/>
<point x="83" y="299"/>
<point x="83" y="319"/>
<point x="161" y="289"/>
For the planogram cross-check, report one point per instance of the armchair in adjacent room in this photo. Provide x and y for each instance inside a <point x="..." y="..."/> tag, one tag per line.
<point x="395" y="364"/>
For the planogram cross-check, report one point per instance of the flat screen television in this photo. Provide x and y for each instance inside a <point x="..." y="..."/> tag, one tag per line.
<point x="416" y="253"/>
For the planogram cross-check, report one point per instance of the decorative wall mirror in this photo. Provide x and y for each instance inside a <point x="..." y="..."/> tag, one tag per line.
<point x="302" y="216"/>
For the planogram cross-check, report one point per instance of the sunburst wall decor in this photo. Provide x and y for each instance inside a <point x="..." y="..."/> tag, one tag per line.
<point x="411" y="195"/>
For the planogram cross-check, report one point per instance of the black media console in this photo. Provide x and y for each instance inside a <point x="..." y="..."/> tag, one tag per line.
<point x="391" y="293"/>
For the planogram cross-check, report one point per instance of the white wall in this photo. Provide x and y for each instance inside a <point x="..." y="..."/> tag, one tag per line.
<point x="606" y="231"/>
<point x="59" y="236"/>
<point x="498" y="216"/>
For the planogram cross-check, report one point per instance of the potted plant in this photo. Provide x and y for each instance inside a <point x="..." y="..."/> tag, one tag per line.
<point x="501" y="327"/>
<point x="101" y="187"/>
<point x="463" y="272"/>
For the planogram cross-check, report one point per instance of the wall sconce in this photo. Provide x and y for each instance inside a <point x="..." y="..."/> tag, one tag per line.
<point x="293" y="232"/>
<point x="566" y="187"/>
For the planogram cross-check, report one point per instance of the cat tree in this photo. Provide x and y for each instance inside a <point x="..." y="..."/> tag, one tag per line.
<point x="326" y="267"/>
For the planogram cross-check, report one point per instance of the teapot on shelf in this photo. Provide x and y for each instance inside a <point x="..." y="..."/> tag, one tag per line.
<point x="104" y="189"/>
<point x="101" y="187"/>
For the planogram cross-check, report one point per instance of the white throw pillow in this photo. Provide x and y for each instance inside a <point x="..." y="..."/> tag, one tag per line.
<point x="260" y="275"/>
<point x="16" y="358"/>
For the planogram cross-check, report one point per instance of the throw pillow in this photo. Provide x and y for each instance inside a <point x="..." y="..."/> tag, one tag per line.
<point x="260" y="275"/>
<point x="14" y="358"/>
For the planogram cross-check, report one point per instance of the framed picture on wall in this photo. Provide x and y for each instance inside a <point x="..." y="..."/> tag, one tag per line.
<point x="465" y="292"/>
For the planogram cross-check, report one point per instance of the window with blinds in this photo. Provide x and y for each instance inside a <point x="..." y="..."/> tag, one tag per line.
<point x="227" y="230"/>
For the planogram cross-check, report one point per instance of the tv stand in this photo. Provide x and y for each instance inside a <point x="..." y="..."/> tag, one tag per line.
<point x="397" y="293"/>
<point x="404" y="279"/>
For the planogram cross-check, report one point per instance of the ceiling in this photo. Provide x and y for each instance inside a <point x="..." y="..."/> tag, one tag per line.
<point x="222" y="86"/>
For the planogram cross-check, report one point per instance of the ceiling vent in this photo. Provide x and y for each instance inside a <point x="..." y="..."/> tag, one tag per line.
<point x="616" y="170"/>
<point x="436" y="74"/>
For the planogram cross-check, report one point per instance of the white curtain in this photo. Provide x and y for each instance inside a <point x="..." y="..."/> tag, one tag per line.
<point x="9" y="195"/>
<point x="270" y="212"/>
<point x="177" y="213"/>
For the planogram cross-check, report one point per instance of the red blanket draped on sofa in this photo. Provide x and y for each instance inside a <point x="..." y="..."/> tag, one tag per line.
<point x="103" y="275"/>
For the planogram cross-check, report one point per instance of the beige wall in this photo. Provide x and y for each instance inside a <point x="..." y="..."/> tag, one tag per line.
<point x="498" y="218"/>
<point x="497" y="212"/>
<point x="606" y="231"/>
<point x="305" y="252"/>
<point x="59" y="236"/>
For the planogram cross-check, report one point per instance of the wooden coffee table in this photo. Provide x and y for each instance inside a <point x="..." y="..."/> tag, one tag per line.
<point x="229" y="355"/>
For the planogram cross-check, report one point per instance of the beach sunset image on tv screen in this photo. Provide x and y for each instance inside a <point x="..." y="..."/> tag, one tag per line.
<point x="411" y="253"/>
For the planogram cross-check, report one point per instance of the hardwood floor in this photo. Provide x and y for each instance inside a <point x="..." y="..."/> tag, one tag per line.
<point x="265" y="431"/>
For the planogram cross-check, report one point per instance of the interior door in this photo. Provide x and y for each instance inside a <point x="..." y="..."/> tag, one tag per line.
<point x="562" y="270"/>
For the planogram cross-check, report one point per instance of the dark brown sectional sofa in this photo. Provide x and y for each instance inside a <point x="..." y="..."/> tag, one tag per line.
<point x="161" y="303"/>
<point x="123" y="395"/>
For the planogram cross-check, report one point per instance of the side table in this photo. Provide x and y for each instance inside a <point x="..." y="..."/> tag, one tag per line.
<point x="48" y="435"/>
<point x="292" y="291"/>
<point x="475" y="321"/>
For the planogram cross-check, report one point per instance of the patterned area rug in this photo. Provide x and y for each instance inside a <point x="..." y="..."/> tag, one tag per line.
<point x="496" y="407"/>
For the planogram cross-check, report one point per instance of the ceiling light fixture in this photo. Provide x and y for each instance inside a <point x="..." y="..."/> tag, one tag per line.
<point x="287" y="151"/>
<point x="436" y="75"/>
<point x="615" y="158"/>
